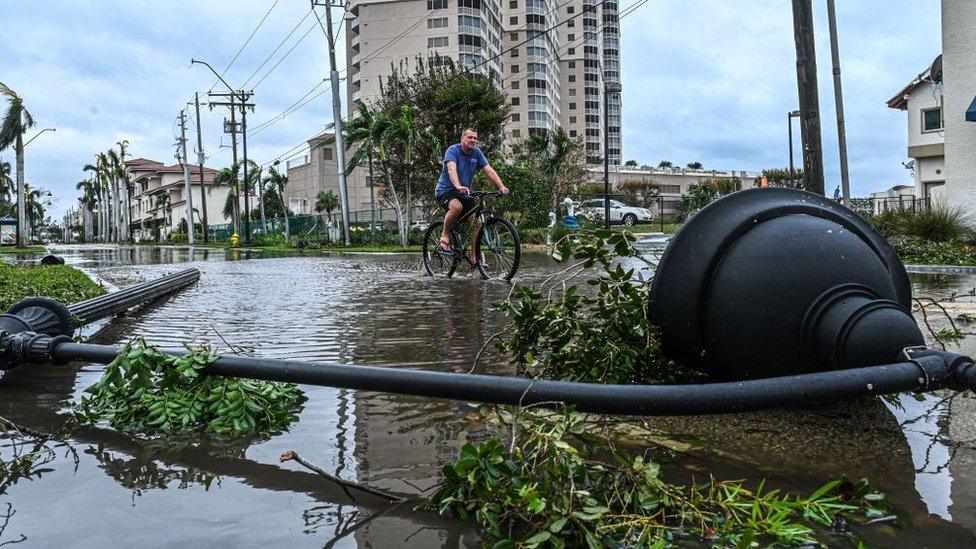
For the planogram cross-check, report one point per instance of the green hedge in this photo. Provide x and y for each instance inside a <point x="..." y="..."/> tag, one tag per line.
<point x="66" y="284"/>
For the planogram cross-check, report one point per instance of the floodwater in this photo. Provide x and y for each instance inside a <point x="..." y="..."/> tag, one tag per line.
<point x="379" y="310"/>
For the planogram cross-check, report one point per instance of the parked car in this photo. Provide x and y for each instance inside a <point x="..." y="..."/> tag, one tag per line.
<point x="620" y="213"/>
<point x="420" y="224"/>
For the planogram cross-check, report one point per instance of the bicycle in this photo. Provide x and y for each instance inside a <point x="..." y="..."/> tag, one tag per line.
<point x="497" y="247"/>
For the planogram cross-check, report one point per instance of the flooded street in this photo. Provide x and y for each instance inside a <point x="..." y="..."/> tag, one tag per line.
<point x="375" y="309"/>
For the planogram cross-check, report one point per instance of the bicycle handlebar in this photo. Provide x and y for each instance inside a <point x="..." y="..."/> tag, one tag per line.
<point x="483" y="194"/>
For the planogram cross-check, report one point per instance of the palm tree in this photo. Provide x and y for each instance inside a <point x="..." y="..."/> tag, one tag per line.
<point x="96" y="189"/>
<point x="359" y="131"/>
<point x="228" y="176"/>
<point x="278" y="182"/>
<point x="326" y="201"/>
<point x="404" y="134"/>
<point x="15" y="124"/>
<point x="162" y="202"/>
<point x="100" y="173"/>
<point x="6" y="183"/>
<point x="87" y="203"/>
<point x="125" y="186"/>
<point x="550" y="151"/>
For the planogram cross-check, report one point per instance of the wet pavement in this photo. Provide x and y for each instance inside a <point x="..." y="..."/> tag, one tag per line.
<point x="379" y="310"/>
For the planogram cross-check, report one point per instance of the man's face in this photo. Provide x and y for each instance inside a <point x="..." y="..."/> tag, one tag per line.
<point x="469" y="141"/>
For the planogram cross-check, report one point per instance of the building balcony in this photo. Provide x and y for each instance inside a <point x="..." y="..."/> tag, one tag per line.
<point x="354" y="41"/>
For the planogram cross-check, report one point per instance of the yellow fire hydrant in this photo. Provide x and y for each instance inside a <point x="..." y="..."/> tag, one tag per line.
<point x="234" y="240"/>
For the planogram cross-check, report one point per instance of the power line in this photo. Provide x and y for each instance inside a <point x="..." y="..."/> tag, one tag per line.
<point x="637" y="4"/>
<point x="246" y="42"/>
<point x="282" y="43"/>
<point x="283" y="57"/>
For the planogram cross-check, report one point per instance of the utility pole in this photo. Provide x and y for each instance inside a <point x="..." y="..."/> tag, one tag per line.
<point x="239" y="99"/>
<point x="203" y="190"/>
<point x="337" y="114"/>
<point x="839" y="100"/>
<point x="181" y="154"/>
<point x="806" y="81"/>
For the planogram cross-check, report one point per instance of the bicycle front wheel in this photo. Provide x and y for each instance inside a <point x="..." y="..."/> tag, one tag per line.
<point x="437" y="263"/>
<point x="499" y="249"/>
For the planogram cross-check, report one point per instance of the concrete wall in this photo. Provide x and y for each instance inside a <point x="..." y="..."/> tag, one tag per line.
<point x="959" y="65"/>
<point x="927" y="96"/>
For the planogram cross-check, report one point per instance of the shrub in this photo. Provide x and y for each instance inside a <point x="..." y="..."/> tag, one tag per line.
<point x="940" y="223"/>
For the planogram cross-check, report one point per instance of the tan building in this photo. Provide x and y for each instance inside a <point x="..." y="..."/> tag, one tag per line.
<point x="152" y="181"/>
<point x="316" y="171"/>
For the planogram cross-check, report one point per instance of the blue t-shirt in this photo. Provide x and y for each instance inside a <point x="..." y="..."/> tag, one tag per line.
<point x="467" y="166"/>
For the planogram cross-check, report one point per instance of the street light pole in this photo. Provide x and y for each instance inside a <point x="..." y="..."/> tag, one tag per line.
<point x="243" y="97"/>
<point x="38" y="134"/>
<point x="337" y="113"/>
<point x="22" y="191"/>
<point x="839" y="101"/>
<point x="789" y="129"/>
<point x="608" y="88"/>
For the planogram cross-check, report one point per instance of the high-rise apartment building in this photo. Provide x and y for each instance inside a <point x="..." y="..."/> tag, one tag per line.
<point x="553" y="74"/>
<point x="381" y="34"/>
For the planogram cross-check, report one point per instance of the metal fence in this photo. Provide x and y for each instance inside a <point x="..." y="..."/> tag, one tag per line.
<point x="322" y="226"/>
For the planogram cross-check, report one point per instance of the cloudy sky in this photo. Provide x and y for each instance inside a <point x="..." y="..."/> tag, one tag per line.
<point x="704" y="80"/>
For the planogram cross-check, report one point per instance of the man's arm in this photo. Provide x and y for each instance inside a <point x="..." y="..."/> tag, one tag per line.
<point x="493" y="176"/>
<point x="452" y="173"/>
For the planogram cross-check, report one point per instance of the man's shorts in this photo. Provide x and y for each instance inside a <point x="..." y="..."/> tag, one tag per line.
<point x="445" y="198"/>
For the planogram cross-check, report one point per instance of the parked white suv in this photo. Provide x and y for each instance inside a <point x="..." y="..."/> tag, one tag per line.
<point x="620" y="213"/>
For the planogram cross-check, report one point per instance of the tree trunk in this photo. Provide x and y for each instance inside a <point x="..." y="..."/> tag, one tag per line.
<point x="397" y="208"/>
<point x="21" y="194"/>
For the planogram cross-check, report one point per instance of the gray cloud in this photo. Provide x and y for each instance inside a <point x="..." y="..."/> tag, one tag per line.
<point x="705" y="80"/>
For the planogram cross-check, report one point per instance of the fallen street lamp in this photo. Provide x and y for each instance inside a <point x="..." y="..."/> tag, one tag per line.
<point x="846" y="331"/>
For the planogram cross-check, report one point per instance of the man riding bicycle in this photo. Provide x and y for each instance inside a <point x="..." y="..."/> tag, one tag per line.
<point x="453" y="192"/>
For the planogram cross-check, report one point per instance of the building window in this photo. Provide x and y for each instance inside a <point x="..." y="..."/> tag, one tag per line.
<point x="572" y="92"/>
<point x="437" y="42"/>
<point x="436" y="5"/>
<point x="572" y="37"/>
<point x="515" y="52"/>
<point x="572" y="64"/>
<point x="513" y="4"/>
<point x="516" y="101"/>
<point x="326" y="154"/>
<point x="570" y="9"/>
<point x="513" y="20"/>
<point x="572" y="51"/>
<point x="516" y="117"/>
<point x="513" y="36"/>
<point x="572" y="120"/>
<point x="571" y="23"/>
<point x="438" y="23"/>
<point x="932" y="120"/>
<point x="572" y="78"/>
<point x="515" y="85"/>
<point x="515" y="69"/>
<point x="572" y="106"/>
<point x="572" y="133"/>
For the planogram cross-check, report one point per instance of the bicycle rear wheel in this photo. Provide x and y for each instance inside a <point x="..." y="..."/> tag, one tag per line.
<point x="437" y="263"/>
<point x="499" y="249"/>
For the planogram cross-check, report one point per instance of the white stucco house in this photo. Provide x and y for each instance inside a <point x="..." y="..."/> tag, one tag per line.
<point x="922" y="100"/>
